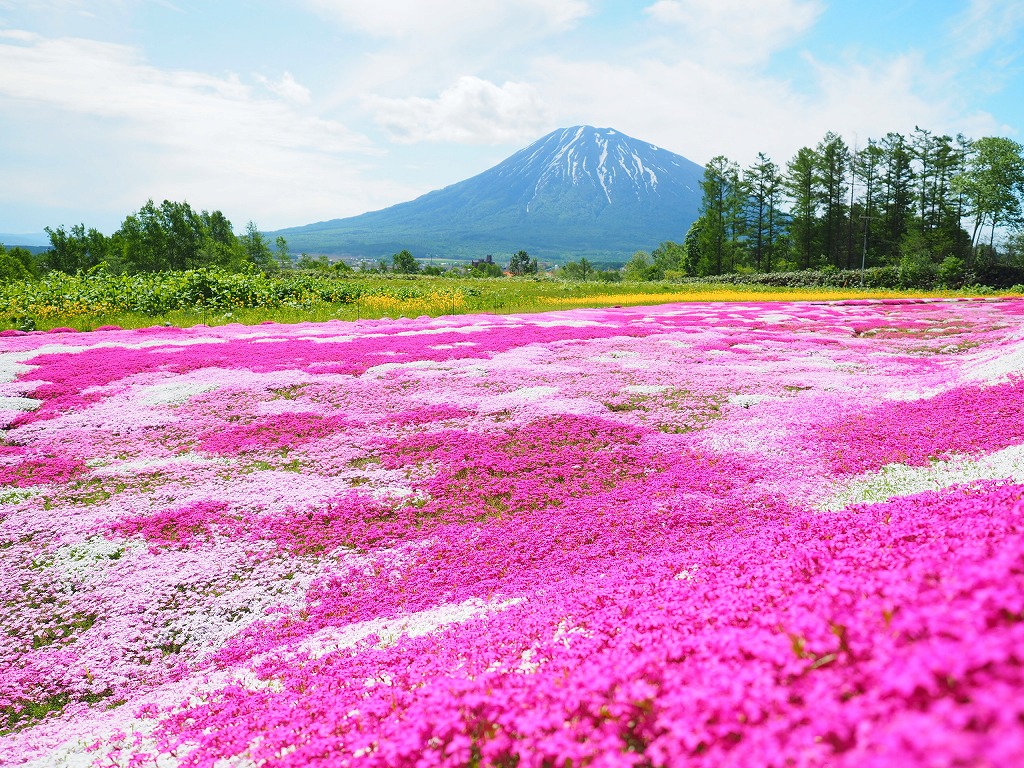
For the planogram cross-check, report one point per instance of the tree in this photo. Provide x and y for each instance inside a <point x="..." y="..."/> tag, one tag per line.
<point x="638" y="268"/>
<point x="832" y="157"/>
<point x="522" y="264"/>
<point x="993" y="184"/>
<point x="404" y="263"/>
<point x="866" y="171"/>
<point x="315" y="263"/>
<point x="12" y="270"/>
<point x="256" y="247"/>
<point x="668" y="261"/>
<point x="79" y="249"/>
<point x="801" y="185"/>
<point x="897" y="194"/>
<point x="721" y="200"/>
<point x="284" y="260"/>
<point x="220" y="246"/>
<point x="764" y="184"/>
<point x="692" y="253"/>
<point x="484" y="268"/>
<point x="577" y="270"/>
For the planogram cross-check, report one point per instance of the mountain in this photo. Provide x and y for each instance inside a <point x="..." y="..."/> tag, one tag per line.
<point x="10" y="240"/>
<point x="577" y="192"/>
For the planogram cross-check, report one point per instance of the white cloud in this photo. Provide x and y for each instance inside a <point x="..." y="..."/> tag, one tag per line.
<point x="287" y="88"/>
<point x="695" y="108"/>
<point x="453" y="19"/>
<point x="188" y="135"/>
<point x="470" y="111"/>
<point x="986" y="24"/>
<point x="731" y="33"/>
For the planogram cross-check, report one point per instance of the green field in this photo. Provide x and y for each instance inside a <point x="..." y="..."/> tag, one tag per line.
<point x="211" y="297"/>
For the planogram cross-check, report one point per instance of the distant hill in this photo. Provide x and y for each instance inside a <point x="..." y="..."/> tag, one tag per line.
<point x="34" y="239"/>
<point x="577" y="192"/>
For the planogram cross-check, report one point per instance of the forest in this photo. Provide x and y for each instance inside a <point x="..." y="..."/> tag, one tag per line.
<point x="925" y="202"/>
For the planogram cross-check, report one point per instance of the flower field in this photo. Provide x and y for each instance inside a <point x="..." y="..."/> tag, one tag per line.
<point x="744" y="534"/>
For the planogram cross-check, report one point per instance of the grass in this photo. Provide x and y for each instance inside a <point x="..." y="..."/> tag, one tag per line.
<point x="413" y="296"/>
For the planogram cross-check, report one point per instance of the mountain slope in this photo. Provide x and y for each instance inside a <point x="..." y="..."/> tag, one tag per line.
<point x="578" y="191"/>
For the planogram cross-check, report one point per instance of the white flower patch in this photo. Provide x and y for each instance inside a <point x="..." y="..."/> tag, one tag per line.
<point x="86" y="560"/>
<point x="379" y="370"/>
<point x="745" y="401"/>
<point x="614" y="356"/>
<point x="10" y="407"/>
<point x="995" y="365"/>
<point x="901" y="480"/>
<point x="566" y="323"/>
<point x="134" y="467"/>
<point x="173" y="392"/>
<point x="332" y="639"/>
<point x="775" y="318"/>
<point x="527" y="395"/>
<point x="907" y="395"/>
<point x="15" y="495"/>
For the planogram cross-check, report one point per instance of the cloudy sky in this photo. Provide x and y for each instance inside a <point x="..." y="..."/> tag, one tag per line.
<point x="287" y="112"/>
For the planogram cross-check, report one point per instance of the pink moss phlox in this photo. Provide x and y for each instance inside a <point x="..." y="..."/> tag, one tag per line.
<point x="777" y="647"/>
<point x="964" y="420"/>
<point x="581" y="538"/>
<point x="284" y="430"/>
<point x="39" y="470"/>
<point x="180" y="526"/>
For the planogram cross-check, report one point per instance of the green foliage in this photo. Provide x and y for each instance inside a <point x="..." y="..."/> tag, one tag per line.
<point x="522" y="264"/>
<point x="256" y="247"/>
<point x="78" y="249"/>
<point x="404" y="263"/>
<point x="168" y="237"/>
<point x="668" y="261"/>
<point x="316" y="263"/>
<point x="158" y="293"/>
<point x="638" y="268"/>
<point x="484" y="269"/>
<point x="724" y="196"/>
<point x="916" y="269"/>
<point x="12" y="269"/>
<point x="581" y="270"/>
<point x="950" y="272"/>
<point x="993" y="184"/>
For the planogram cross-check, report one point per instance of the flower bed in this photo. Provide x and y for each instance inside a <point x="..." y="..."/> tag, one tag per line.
<point x="703" y="534"/>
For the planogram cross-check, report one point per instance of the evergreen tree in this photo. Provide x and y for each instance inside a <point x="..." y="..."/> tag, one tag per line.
<point x="897" y="198"/>
<point x="721" y="206"/>
<point x="522" y="264"/>
<point x="801" y="185"/>
<point x="833" y="156"/>
<point x="764" y="183"/>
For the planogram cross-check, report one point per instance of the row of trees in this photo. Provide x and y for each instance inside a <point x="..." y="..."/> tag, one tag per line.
<point x="171" y="236"/>
<point x="405" y="263"/>
<point x="923" y="197"/>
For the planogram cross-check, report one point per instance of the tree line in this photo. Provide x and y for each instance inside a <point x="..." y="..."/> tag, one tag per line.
<point x="918" y="200"/>
<point x="166" y="237"/>
<point x="172" y="237"/>
<point x="156" y="238"/>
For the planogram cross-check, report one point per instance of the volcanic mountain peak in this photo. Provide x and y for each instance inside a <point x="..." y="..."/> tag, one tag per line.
<point x="579" y="191"/>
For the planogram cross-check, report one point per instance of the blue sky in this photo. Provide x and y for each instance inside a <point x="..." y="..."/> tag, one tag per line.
<point x="295" y="111"/>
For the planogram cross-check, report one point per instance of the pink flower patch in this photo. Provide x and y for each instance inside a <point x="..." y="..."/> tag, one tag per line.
<point x="286" y="430"/>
